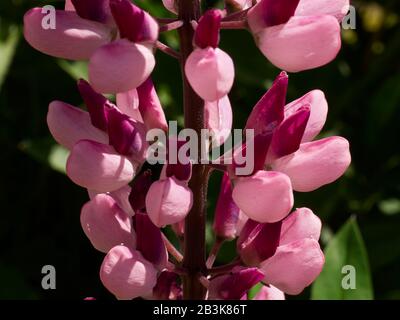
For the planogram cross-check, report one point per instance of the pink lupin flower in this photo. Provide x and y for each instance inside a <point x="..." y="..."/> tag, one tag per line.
<point x="168" y="201"/>
<point x="149" y="241"/>
<point x="120" y="196"/>
<point x="226" y="212"/>
<point x="99" y="167"/>
<point x="150" y="106"/>
<point x="298" y="35"/>
<point x="106" y="224"/>
<point x="235" y="285"/>
<point x="269" y="293"/>
<point x="88" y="29"/>
<point x="209" y="70"/>
<point x="167" y="287"/>
<point x="294" y="259"/>
<point x="218" y="118"/>
<point x="126" y="274"/>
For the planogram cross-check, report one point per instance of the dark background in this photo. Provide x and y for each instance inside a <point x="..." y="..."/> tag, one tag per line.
<point x="39" y="206"/>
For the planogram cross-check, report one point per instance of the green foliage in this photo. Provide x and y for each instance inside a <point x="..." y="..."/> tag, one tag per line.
<point x="345" y="249"/>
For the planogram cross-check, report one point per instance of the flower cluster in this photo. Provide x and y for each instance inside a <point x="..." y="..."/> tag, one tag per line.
<point x="130" y="204"/>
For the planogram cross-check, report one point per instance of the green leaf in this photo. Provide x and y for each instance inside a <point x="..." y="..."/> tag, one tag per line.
<point x="76" y="69"/>
<point x="345" y="249"/>
<point x="7" y="50"/>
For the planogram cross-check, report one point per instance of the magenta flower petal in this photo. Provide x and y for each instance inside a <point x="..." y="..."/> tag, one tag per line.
<point x="150" y="107"/>
<point x="133" y="23"/>
<point x="300" y="224"/>
<point x="318" y="108"/>
<point x="69" y="6"/>
<point x="337" y="8"/>
<point x="106" y="225"/>
<point x="218" y="118"/>
<point x="120" y="66"/>
<point x="258" y="241"/>
<point x="69" y="124"/>
<point x="99" y="167"/>
<point x="268" y="113"/>
<point x="235" y="285"/>
<point x="268" y="13"/>
<point x="140" y="187"/>
<point x="126" y="136"/>
<point x="96" y="10"/>
<point x="168" y="202"/>
<point x="288" y="135"/>
<point x="207" y="31"/>
<point x="266" y="196"/>
<point x="226" y="212"/>
<point x="149" y="241"/>
<point x="74" y="38"/>
<point x="269" y="293"/>
<point x="128" y="103"/>
<point x="126" y="274"/>
<point x="302" y="43"/>
<point x="316" y="163"/>
<point x="167" y="287"/>
<point x="294" y="266"/>
<point x="96" y="104"/>
<point x="210" y="72"/>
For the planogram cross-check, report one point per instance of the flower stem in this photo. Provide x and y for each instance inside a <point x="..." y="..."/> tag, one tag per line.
<point x="172" y="250"/>
<point x="194" y="241"/>
<point x="214" y="252"/>
<point x="167" y="50"/>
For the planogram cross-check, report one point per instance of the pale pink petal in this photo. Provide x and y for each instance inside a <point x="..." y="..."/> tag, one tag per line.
<point x="316" y="163"/>
<point x="319" y="111"/>
<point x="69" y="124"/>
<point x="269" y="293"/>
<point x="73" y="38"/>
<point x="171" y="5"/>
<point x="99" y="167"/>
<point x="121" y="197"/>
<point x="242" y="219"/>
<point x="302" y="43"/>
<point x="336" y="8"/>
<point x="69" y="6"/>
<point x="106" y="225"/>
<point x="294" y="266"/>
<point x="120" y="66"/>
<point x="218" y="119"/>
<point x="240" y="4"/>
<point x="264" y="197"/>
<point x="128" y="103"/>
<point x="210" y="72"/>
<point x="168" y="202"/>
<point x="126" y="274"/>
<point x="300" y="224"/>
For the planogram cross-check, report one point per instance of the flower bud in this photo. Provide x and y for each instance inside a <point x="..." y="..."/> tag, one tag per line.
<point x="105" y="224"/>
<point x="127" y="274"/>
<point x="207" y="31"/>
<point x="168" y="202"/>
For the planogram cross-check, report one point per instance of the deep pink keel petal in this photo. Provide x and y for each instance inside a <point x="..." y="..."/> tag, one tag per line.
<point x="210" y="72"/>
<point x="69" y="124"/>
<point x="316" y="163"/>
<point x="266" y="196"/>
<point x="294" y="266"/>
<point x="120" y="66"/>
<point x="337" y="8"/>
<point x="73" y="38"/>
<point x="99" y="167"/>
<point x="126" y="274"/>
<point x="106" y="225"/>
<point x="302" y="43"/>
<point x="168" y="202"/>
<point x="319" y="110"/>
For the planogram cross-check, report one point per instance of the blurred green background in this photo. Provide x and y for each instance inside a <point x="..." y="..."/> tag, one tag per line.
<point x="40" y="207"/>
